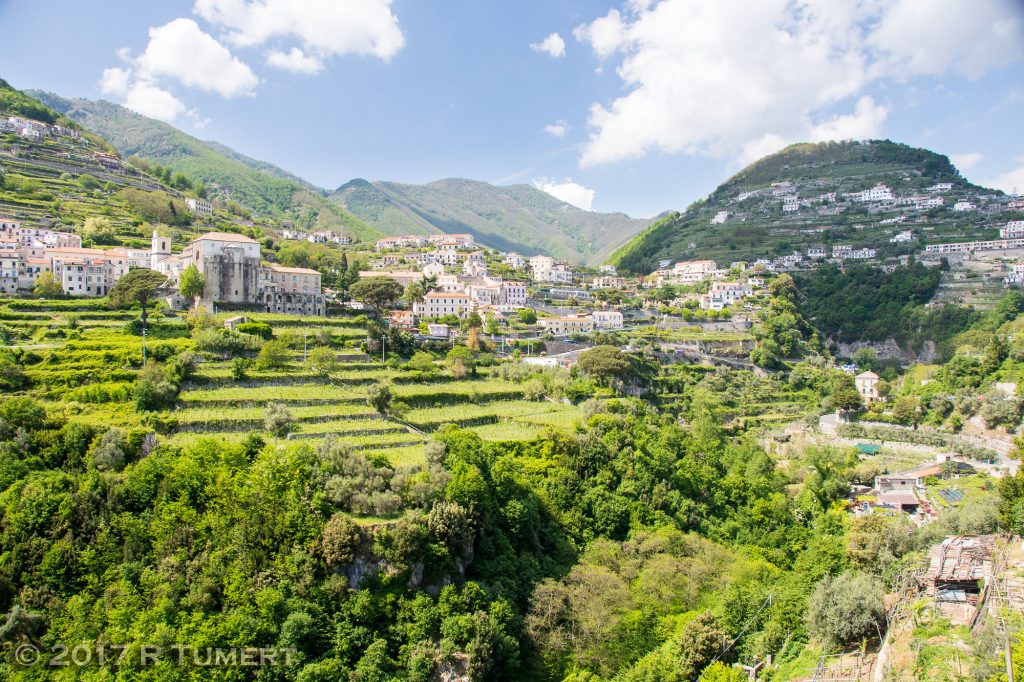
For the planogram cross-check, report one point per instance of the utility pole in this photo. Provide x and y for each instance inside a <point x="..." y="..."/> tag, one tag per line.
<point x="383" y="345"/>
<point x="143" y="343"/>
<point x="303" y="347"/>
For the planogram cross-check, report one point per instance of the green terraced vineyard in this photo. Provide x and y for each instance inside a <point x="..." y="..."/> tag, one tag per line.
<point x="78" y="355"/>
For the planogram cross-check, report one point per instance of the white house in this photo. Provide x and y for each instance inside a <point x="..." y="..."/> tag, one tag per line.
<point x="720" y="218"/>
<point x="1016" y="275"/>
<point x="514" y="261"/>
<point x="199" y="206"/>
<point x="572" y="324"/>
<point x="607" y="319"/>
<point x="962" y="206"/>
<point x="1013" y="230"/>
<point x="441" y="303"/>
<point x="904" y="236"/>
<point x="867" y="386"/>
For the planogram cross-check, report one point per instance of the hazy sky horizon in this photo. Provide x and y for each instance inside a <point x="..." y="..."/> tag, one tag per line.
<point x="638" y="106"/>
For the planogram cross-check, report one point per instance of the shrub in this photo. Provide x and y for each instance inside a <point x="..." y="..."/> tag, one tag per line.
<point x="379" y="396"/>
<point x="846" y="608"/>
<point x="273" y="355"/>
<point x="260" y="329"/>
<point x="340" y="540"/>
<point x="23" y="413"/>
<point x="278" y="420"/>
<point x="153" y="391"/>
<point x="239" y="368"/>
<point x="322" y="361"/>
<point x="108" y="454"/>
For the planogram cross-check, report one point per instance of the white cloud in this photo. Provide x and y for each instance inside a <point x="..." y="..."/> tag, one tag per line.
<point x="322" y="27"/>
<point x="1011" y="182"/>
<point x="115" y="81"/>
<point x="177" y="51"/>
<point x="557" y="129"/>
<point x="605" y="34"/>
<point x="294" y="60"/>
<point x="141" y="96"/>
<point x="864" y="123"/>
<point x="931" y="37"/>
<point x="733" y="78"/>
<point x="554" y="45"/>
<point x="181" y="50"/>
<point x="567" y="191"/>
<point x="966" y="161"/>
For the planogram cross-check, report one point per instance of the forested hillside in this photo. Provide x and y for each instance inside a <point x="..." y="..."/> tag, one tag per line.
<point x="259" y="186"/>
<point x="513" y="218"/>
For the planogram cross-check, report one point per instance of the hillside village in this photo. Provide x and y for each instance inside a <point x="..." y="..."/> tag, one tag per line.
<point x="420" y="453"/>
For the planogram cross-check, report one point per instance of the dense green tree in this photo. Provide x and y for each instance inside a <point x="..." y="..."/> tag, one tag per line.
<point x="191" y="284"/>
<point x="846" y="608"/>
<point x="138" y="286"/>
<point x="604" y="363"/>
<point x="378" y="292"/>
<point x="47" y="286"/>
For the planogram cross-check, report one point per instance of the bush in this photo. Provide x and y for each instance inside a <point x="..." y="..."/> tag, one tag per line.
<point x="273" y="355"/>
<point x="379" y="396"/>
<point x="260" y="329"/>
<point x="340" y="540"/>
<point x="239" y="368"/>
<point x="846" y="608"/>
<point x="23" y="413"/>
<point x="322" y="361"/>
<point x="278" y="420"/>
<point x="109" y="452"/>
<point x="153" y="392"/>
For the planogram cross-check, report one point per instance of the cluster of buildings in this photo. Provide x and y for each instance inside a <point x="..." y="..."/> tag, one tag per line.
<point x="413" y="241"/>
<point x="1013" y="230"/>
<point x="1016" y="276"/>
<point x="971" y="247"/>
<point x="318" y="237"/>
<point x="35" y="130"/>
<point x="582" y="323"/>
<point x="721" y="295"/>
<point x="231" y="264"/>
<point x="234" y="274"/>
<point x="547" y="269"/>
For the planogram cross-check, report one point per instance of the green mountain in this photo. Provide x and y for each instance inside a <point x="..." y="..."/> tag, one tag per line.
<point x="757" y="226"/>
<point x="516" y="217"/>
<point x="519" y="218"/>
<point x="226" y="173"/>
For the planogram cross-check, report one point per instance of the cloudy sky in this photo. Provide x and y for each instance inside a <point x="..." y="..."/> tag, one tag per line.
<point x="636" y="106"/>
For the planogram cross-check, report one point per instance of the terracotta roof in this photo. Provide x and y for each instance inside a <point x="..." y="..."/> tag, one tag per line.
<point x="867" y="375"/>
<point x="297" y="271"/>
<point x="445" y="294"/>
<point x="226" y="237"/>
<point x="77" y="251"/>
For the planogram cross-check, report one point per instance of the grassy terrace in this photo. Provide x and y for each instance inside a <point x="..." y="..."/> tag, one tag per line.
<point x="78" y="354"/>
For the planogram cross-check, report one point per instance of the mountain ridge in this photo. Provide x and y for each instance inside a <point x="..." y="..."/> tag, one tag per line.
<point x="509" y="217"/>
<point x="820" y="177"/>
<point x="512" y="218"/>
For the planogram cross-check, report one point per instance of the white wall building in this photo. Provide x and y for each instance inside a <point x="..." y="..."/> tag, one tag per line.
<point x="607" y="319"/>
<point x="1013" y="230"/>
<point x="441" y="303"/>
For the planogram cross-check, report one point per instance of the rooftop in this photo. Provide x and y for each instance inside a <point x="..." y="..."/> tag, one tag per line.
<point x="226" y="237"/>
<point x="296" y="271"/>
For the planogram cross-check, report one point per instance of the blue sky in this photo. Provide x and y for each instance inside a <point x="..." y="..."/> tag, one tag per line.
<point x="639" y="106"/>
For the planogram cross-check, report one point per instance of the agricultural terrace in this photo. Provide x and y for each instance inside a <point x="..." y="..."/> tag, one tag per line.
<point x="84" y="359"/>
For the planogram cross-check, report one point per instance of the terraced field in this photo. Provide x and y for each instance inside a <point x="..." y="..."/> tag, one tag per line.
<point x="78" y="354"/>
